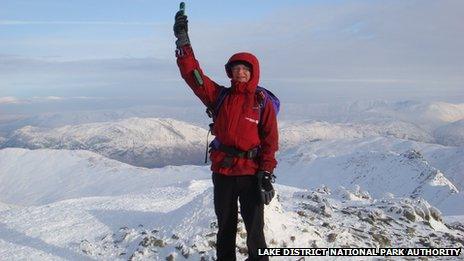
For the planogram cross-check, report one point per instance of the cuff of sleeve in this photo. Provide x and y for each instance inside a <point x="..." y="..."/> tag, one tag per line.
<point x="183" y="51"/>
<point x="266" y="168"/>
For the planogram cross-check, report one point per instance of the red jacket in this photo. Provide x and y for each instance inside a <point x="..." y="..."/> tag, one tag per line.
<point x="236" y="123"/>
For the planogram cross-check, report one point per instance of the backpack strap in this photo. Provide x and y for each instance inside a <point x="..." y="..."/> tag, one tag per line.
<point x="213" y="109"/>
<point x="261" y="97"/>
<point x="261" y="94"/>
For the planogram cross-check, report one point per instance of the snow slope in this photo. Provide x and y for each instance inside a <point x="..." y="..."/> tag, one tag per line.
<point x="36" y="177"/>
<point x="373" y="164"/>
<point x="148" y="142"/>
<point x="449" y="160"/>
<point x="451" y="134"/>
<point x="141" y="216"/>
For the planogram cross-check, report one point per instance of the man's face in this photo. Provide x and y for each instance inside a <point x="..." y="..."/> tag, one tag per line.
<point x="241" y="73"/>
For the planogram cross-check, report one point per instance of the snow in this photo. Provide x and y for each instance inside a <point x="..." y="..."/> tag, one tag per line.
<point x="180" y="219"/>
<point x="451" y="134"/>
<point x="295" y="133"/>
<point x="357" y="175"/>
<point x="36" y="177"/>
<point x="148" y="142"/>
<point x="418" y="112"/>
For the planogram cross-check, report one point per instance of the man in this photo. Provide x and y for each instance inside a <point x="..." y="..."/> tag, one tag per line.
<point x="243" y="152"/>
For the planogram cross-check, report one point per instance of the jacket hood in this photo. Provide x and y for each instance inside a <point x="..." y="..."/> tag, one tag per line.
<point x="249" y="58"/>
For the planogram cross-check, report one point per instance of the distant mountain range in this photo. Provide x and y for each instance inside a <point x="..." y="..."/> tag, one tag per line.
<point x="148" y="142"/>
<point x="373" y="174"/>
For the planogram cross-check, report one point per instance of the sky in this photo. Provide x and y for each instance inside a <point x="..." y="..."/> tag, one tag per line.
<point x="310" y="51"/>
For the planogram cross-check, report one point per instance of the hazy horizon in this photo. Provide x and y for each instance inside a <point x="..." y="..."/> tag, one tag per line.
<point x="85" y="55"/>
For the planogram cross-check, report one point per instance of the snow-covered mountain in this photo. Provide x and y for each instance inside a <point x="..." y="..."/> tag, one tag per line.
<point x="148" y="142"/>
<point x="381" y="173"/>
<point x="412" y="119"/>
<point x="191" y="114"/>
<point x="159" y="142"/>
<point x="121" y="212"/>
<point x="451" y="134"/>
<point x="365" y="174"/>
<point x="43" y="176"/>
<point x="420" y="113"/>
<point x="428" y="114"/>
<point x="295" y="133"/>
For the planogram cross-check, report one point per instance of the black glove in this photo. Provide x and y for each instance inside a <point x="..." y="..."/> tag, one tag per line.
<point x="266" y="190"/>
<point x="181" y="29"/>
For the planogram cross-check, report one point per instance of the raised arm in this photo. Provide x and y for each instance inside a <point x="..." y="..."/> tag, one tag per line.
<point x="190" y="70"/>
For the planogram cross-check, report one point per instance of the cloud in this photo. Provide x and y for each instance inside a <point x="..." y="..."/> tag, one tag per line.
<point x="122" y="77"/>
<point x="404" y="40"/>
<point x="359" y="49"/>
<point x="46" y="99"/>
<point x="26" y="22"/>
<point x="9" y="100"/>
<point x="49" y="98"/>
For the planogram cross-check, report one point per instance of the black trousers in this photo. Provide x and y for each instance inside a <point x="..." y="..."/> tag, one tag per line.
<point x="227" y="189"/>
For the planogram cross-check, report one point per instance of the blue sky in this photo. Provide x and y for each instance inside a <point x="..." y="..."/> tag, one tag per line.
<point x="314" y="51"/>
<point x="57" y="26"/>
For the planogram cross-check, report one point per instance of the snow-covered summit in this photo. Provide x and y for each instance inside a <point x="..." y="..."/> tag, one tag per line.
<point x="178" y="222"/>
<point x="405" y="174"/>
<point x="148" y="142"/>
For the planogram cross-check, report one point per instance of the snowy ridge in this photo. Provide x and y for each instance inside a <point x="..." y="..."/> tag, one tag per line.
<point x="4" y="206"/>
<point x="445" y="112"/>
<point x="451" y="134"/>
<point x="424" y="113"/>
<point x="295" y="133"/>
<point x="403" y="119"/>
<point x="381" y="173"/>
<point x="149" y="142"/>
<point x="421" y="118"/>
<point x="449" y="160"/>
<point x="160" y="142"/>
<point x="10" y="123"/>
<point x="36" y="177"/>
